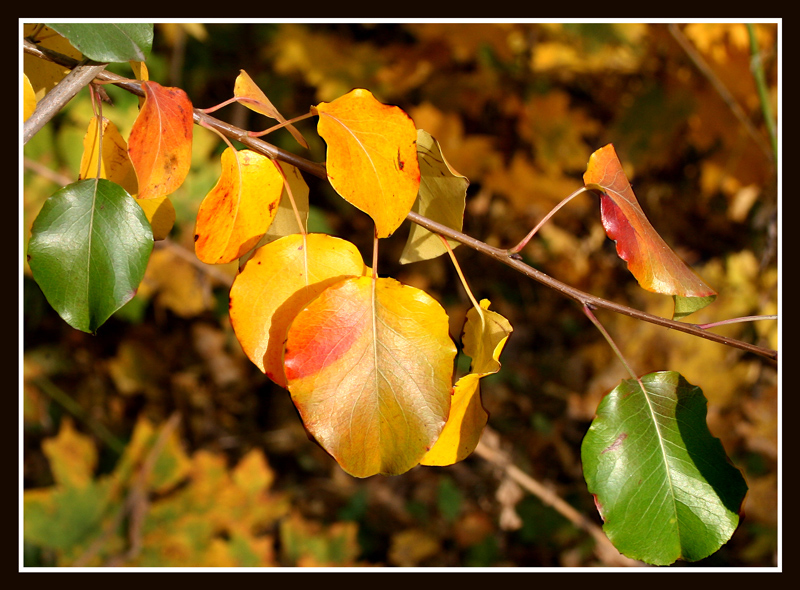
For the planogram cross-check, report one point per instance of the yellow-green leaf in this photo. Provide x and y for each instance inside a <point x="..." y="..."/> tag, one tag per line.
<point x="239" y="209"/>
<point x="369" y="365"/>
<point x="442" y="197"/>
<point x="276" y="283"/>
<point x="485" y="336"/>
<point x="372" y="156"/>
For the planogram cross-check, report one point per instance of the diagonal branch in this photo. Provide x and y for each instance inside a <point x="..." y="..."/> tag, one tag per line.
<point x="499" y="254"/>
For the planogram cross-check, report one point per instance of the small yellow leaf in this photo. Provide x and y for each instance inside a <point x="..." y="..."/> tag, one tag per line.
<point x="250" y="95"/>
<point x="372" y="156"/>
<point x="28" y="98"/>
<point x="140" y="71"/>
<point x="239" y="209"/>
<point x="485" y="336"/>
<point x="161" y="215"/>
<point x="115" y="164"/>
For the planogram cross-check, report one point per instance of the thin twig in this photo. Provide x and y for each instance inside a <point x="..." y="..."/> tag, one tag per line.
<point x="81" y="75"/>
<point x="721" y="89"/>
<point x="605" y="550"/>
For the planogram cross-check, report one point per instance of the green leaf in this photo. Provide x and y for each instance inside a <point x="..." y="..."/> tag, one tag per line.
<point x="661" y="481"/>
<point x="109" y="42"/>
<point x="88" y="251"/>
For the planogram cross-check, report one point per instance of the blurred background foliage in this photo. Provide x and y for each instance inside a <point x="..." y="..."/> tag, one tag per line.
<point x="156" y="442"/>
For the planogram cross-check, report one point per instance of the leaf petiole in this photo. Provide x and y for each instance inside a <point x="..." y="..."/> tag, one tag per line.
<point x="532" y="233"/>
<point x="588" y="312"/>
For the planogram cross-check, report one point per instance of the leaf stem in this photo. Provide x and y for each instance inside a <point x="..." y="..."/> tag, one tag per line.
<point x="475" y="304"/>
<point x="516" y="249"/>
<point x="749" y="318"/>
<point x="375" y="256"/>
<point x="280" y="125"/>
<point x="588" y="312"/>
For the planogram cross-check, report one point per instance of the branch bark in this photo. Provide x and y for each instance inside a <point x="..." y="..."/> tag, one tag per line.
<point x="499" y="254"/>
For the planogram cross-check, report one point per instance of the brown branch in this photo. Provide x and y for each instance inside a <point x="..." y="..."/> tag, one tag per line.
<point x="604" y="549"/>
<point x="81" y="75"/>
<point x="499" y="254"/>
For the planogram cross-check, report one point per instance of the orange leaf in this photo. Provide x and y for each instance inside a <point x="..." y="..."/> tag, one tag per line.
<point x="276" y="283"/>
<point x="650" y="259"/>
<point x="160" y="144"/>
<point x="485" y="336"/>
<point x="239" y="209"/>
<point x="250" y="95"/>
<point x="372" y="156"/>
<point x="369" y="364"/>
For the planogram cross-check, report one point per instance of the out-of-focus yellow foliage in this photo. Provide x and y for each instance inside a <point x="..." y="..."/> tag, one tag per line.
<point x="176" y="284"/>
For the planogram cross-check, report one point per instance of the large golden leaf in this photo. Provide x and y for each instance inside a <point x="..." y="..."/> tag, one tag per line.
<point x="276" y="283"/>
<point x="372" y="156"/>
<point x="369" y="364"/>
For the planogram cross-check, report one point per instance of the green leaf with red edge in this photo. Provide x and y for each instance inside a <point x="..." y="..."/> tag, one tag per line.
<point x="276" y="283"/>
<point x="650" y="259"/>
<point x="662" y="483"/>
<point x="237" y="212"/>
<point x="372" y="156"/>
<point x="160" y="144"/>
<point x="369" y="364"/>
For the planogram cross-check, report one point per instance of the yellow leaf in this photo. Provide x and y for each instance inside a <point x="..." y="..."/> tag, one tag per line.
<point x="369" y="364"/>
<point x="239" y="209"/>
<point x="276" y="283"/>
<point x="250" y="95"/>
<point x="177" y="284"/>
<point x="442" y="197"/>
<point x="28" y="98"/>
<point x="115" y="164"/>
<point x="372" y="156"/>
<point x="161" y="215"/>
<point x="485" y="335"/>
<point x="285" y="222"/>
